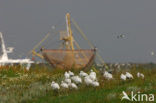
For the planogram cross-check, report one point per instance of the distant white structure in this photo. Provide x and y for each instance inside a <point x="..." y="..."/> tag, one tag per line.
<point x="152" y="53"/>
<point x="4" y="60"/>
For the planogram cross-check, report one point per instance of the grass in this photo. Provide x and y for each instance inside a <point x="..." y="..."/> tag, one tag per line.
<point x="20" y="86"/>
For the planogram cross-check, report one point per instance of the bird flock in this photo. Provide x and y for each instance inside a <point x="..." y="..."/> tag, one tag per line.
<point x="128" y="75"/>
<point x="72" y="81"/>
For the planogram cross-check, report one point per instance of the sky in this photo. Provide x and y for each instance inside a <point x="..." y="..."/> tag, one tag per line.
<point x="25" y="22"/>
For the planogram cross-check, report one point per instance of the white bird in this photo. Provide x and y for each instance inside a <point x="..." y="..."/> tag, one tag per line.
<point x="55" y="86"/>
<point x="70" y="73"/>
<point x="73" y="85"/>
<point x="92" y="73"/>
<point x="128" y="75"/>
<point x="66" y="75"/>
<point x="92" y="77"/>
<point x="87" y="80"/>
<point x="67" y="80"/>
<point x="140" y="75"/>
<point x="123" y="77"/>
<point x="108" y="75"/>
<point x="76" y="79"/>
<point x="95" y="84"/>
<point x="64" y="85"/>
<point x="83" y="74"/>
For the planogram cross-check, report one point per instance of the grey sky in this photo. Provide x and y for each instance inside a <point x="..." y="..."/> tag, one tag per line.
<point x="25" y="22"/>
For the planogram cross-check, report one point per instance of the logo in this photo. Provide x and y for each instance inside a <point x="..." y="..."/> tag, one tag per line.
<point x="137" y="97"/>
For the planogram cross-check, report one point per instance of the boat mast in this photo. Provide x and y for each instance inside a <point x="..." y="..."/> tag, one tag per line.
<point x="69" y="32"/>
<point x="4" y="55"/>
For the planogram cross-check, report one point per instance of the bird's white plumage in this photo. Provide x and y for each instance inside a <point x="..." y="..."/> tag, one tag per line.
<point x="83" y="74"/>
<point x="67" y="80"/>
<point x="66" y="75"/>
<point x="55" y="86"/>
<point x="95" y="84"/>
<point x="108" y="75"/>
<point x="123" y="77"/>
<point x="70" y="73"/>
<point x="128" y="75"/>
<point x="140" y="75"/>
<point x="73" y="85"/>
<point x="87" y="80"/>
<point x="76" y="79"/>
<point x="92" y="73"/>
<point x="92" y="77"/>
<point x="64" y="84"/>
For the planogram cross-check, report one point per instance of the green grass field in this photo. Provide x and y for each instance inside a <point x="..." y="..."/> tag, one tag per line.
<point x="20" y="86"/>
